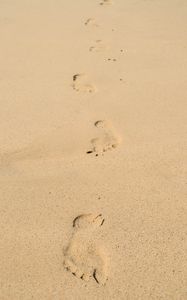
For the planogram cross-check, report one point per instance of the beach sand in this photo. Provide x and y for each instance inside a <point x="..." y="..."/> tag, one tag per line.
<point x="93" y="149"/>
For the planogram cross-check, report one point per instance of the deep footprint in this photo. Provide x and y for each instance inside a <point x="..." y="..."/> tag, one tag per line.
<point x="84" y="257"/>
<point x="81" y="84"/>
<point x="108" y="140"/>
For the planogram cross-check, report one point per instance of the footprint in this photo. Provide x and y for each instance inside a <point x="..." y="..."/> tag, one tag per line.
<point x="98" y="47"/>
<point x="108" y="140"/>
<point x="84" y="256"/>
<point x="81" y="84"/>
<point x="106" y="2"/>
<point x="91" y="22"/>
<point x="112" y="59"/>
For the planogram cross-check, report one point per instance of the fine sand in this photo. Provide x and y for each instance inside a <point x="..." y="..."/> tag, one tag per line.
<point x="93" y="156"/>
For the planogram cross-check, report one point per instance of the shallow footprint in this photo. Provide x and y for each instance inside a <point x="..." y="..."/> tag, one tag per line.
<point x="91" y="22"/>
<point x="98" y="47"/>
<point x="106" y="2"/>
<point x="84" y="256"/>
<point x="81" y="84"/>
<point x="108" y="140"/>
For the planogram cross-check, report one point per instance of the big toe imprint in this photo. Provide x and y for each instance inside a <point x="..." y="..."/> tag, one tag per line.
<point x="84" y="257"/>
<point x="108" y="139"/>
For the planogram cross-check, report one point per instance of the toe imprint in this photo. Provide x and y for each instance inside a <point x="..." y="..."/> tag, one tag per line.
<point x="84" y="256"/>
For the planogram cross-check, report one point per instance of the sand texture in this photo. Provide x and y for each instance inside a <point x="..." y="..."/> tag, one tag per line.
<point x="93" y="149"/>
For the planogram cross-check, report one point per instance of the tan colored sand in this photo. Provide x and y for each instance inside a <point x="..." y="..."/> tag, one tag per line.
<point x="64" y="65"/>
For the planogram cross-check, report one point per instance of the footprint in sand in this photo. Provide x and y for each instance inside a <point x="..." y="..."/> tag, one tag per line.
<point x="91" y="22"/>
<point x="81" y="84"/>
<point x="106" y="2"/>
<point x="111" y="59"/>
<point x="108" y="139"/>
<point x="84" y="255"/>
<point x="98" y="47"/>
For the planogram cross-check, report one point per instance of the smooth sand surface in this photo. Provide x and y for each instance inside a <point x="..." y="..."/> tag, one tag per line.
<point x="93" y="149"/>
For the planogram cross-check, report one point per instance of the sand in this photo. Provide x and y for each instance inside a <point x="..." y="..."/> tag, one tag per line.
<point x="93" y="149"/>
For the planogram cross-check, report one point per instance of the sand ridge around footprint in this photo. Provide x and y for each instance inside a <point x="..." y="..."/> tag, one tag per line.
<point x="84" y="256"/>
<point x="107" y="140"/>
<point x="81" y="84"/>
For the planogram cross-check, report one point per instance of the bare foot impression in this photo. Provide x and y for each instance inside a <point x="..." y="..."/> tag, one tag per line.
<point x="98" y="47"/>
<point x="108" y="139"/>
<point x="81" y="84"/>
<point x="91" y="22"/>
<point x="84" y="256"/>
<point x="106" y="2"/>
